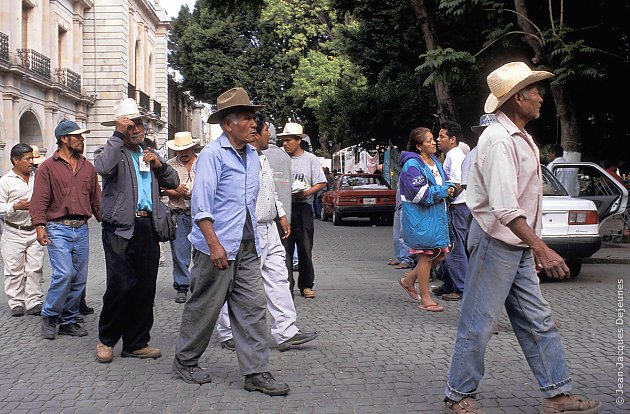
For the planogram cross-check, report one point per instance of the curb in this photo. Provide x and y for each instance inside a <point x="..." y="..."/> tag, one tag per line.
<point x="605" y="260"/>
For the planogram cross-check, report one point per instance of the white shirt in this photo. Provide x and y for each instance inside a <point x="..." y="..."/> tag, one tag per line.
<point x="267" y="204"/>
<point x="567" y="177"/>
<point x="12" y="189"/>
<point x="453" y="169"/>
<point x="505" y="181"/>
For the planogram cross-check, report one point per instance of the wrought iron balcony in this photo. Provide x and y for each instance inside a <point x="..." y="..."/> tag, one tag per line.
<point x="4" y="47"/>
<point x="35" y="62"/>
<point x="157" y="109"/>
<point x="144" y="101"/>
<point x="69" y="78"/>
<point x="131" y="91"/>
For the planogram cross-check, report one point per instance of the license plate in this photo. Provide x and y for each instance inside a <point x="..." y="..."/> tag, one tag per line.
<point x="369" y="201"/>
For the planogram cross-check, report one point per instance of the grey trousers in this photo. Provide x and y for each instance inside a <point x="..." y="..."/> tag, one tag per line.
<point x="241" y="286"/>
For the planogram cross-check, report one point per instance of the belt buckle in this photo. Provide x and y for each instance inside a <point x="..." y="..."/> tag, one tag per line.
<point x="142" y="213"/>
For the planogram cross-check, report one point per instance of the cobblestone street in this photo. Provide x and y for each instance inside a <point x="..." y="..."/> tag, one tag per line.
<point x="376" y="353"/>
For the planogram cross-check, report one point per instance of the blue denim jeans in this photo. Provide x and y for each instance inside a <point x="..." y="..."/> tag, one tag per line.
<point x="68" y="251"/>
<point x="456" y="262"/>
<point x="181" y="250"/>
<point x="498" y="275"/>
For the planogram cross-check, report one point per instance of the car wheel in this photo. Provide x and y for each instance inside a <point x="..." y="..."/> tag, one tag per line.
<point x="336" y="218"/>
<point x="575" y="265"/>
<point x="322" y="214"/>
<point x="374" y="220"/>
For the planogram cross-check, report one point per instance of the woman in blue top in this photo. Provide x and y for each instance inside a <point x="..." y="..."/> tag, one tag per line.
<point x="423" y="190"/>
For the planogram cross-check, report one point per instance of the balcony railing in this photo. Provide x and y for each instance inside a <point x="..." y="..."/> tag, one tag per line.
<point x="35" y="62"/>
<point x="69" y="78"/>
<point x="4" y="47"/>
<point x="157" y="109"/>
<point x="144" y="101"/>
<point x="131" y="91"/>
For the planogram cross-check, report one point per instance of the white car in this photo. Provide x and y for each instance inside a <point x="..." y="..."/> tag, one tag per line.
<point x="570" y="225"/>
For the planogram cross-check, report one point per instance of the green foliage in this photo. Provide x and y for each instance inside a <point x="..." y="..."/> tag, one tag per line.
<point x="447" y="65"/>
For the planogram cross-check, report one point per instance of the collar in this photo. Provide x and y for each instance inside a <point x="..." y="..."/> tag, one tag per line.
<point x="57" y="157"/>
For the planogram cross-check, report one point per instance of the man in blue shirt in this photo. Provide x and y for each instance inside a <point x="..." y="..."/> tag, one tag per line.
<point x="226" y="262"/>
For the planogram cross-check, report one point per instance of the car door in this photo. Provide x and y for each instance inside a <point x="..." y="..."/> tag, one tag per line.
<point x="592" y="182"/>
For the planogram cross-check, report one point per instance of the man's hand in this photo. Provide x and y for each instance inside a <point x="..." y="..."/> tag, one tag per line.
<point x="451" y="191"/>
<point x="218" y="255"/>
<point x="286" y="227"/>
<point x="152" y="159"/>
<point x="42" y="236"/>
<point x="182" y="191"/>
<point x="125" y="126"/>
<point x="21" y="204"/>
<point x="548" y="260"/>
<point x="299" y="196"/>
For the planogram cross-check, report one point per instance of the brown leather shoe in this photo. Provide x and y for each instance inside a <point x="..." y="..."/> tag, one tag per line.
<point x="570" y="404"/>
<point x="104" y="353"/>
<point x="144" y="353"/>
<point x="308" y="293"/>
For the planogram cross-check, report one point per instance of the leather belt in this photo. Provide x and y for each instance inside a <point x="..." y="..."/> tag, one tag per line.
<point x="17" y="226"/>
<point x="143" y="213"/>
<point x="71" y="222"/>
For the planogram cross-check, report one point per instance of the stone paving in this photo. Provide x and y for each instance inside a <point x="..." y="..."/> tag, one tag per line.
<point x="376" y="353"/>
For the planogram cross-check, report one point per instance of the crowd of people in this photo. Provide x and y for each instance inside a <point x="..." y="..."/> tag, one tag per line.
<point x="236" y="212"/>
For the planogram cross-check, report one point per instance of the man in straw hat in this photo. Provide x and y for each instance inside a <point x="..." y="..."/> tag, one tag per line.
<point x="308" y="180"/>
<point x="38" y="158"/>
<point x="179" y="205"/>
<point x="506" y="252"/>
<point x="132" y="216"/>
<point x="226" y="255"/>
<point x="66" y="194"/>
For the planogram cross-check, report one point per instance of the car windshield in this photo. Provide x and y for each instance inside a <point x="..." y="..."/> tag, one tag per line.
<point x="358" y="182"/>
<point x="551" y="185"/>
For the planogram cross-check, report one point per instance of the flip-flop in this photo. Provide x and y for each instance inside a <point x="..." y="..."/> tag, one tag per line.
<point x="434" y="307"/>
<point x="403" y="266"/>
<point x="393" y="262"/>
<point x="410" y="291"/>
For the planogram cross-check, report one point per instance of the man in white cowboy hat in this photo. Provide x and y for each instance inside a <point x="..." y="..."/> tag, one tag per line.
<point x="226" y="255"/>
<point x="66" y="194"/>
<point x="272" y="258"/>
<point x="179" y="205"/>
<point x="506" y="252"/>
<point x="133" y="221"/>
<point x="308" y="180"/>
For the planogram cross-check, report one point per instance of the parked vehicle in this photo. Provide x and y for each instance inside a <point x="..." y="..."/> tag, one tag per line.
<point x="359" y="195"/>
<point x="570" y="225"/>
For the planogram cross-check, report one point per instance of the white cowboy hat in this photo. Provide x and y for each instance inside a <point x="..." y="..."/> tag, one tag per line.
<point x="292" y="130"/>
<point x="183" y="140"/>
<point x="234" y="100"/>
<point x="125" y="108"/>
<point x="38" y="158"/>
<point x="509" y="79"/>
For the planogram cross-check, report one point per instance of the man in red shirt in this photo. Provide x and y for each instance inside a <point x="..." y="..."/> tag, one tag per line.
<point x="66" y="194"/>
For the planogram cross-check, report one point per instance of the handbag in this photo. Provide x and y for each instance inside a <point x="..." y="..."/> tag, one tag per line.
<point x="166" y="226"/>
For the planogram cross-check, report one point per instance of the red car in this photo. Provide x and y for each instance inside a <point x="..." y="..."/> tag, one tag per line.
<point x="359" y="195"/>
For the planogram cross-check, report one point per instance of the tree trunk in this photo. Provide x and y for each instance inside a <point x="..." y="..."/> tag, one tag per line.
<point x="570" y="137"/>
<point x="446" y="107"/>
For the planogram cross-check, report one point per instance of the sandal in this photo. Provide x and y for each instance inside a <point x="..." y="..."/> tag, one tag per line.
<point x="434" y="307"/>
<point x="403" y="265"/>
<point x="393" y="262"/>
<point x="410" y="290"/>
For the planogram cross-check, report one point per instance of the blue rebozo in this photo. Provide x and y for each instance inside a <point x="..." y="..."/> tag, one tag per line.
<point x="424" y="217"/>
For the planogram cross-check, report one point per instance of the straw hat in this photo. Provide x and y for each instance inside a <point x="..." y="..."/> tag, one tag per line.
<point x="183" y="140"/>
<point x="127" y="108"/>
<point x="234" y="100"/>
<point x="38" y="158"/>
<point x="484" y="121"/>
<point x="292" y="130"/>
<point x="509" y="79"/>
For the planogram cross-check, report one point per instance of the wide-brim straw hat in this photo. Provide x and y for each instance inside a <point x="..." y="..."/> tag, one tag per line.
<point x="234" y="100"/>
<point x="38" y="158"/>
<point x="125" y="108"/>
<point x="509" y="79"/>
<point x="484" y="121"/>
<point x="292" y="130"/>
<point x="183" y="140"/>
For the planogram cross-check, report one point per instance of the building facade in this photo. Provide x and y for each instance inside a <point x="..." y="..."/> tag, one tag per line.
<point x="75" y="59"/>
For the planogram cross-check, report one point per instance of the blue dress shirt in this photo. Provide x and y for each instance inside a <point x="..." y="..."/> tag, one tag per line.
<point x="224" y="187"/>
